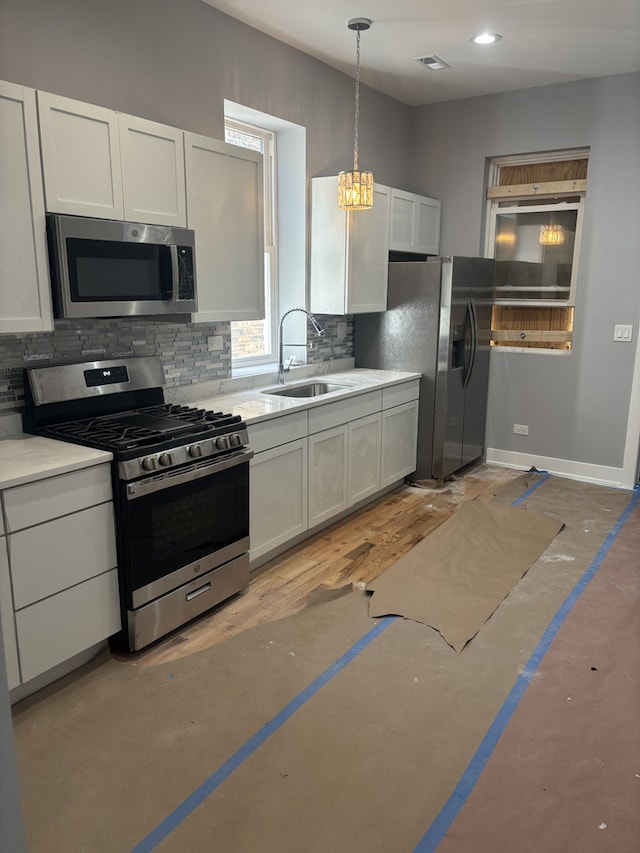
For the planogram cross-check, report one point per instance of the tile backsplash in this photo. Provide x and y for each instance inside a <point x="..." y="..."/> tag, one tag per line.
<point x="183" y="347"/>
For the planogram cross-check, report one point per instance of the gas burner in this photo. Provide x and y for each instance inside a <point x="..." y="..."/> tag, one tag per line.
<point x="146" y="427"/>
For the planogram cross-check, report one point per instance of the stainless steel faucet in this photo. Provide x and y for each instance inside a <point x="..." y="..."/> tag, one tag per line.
<point x="319" y="331"/>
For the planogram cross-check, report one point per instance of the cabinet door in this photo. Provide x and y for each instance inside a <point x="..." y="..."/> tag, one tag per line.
<point x="80" y="158"/>
<point x="368" y="255"/>
<point x="364" y="458"/>
<point x="415" y="223"/>
<point x="25" y="297"/>
<point x="399" y="442"/>
<point x="349" y="252"/>
<point x="327" y="474"/>
<point x="277" y="496"/>
<point x="152" y="172"/>
<point x="402" y="236"/>
<point x="427" y="230"/>
<point x="225" y="208"/>
<point x="7" y="618"/>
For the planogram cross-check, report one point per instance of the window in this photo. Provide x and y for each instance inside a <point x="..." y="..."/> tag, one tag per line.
<point x="535" y="207"/>
<point x="254" y="341"/>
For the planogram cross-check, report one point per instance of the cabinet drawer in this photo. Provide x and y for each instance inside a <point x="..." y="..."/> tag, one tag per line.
<point x="43" y="500"/>
<point x="396" y="395"/>
<point x="277" y="431"/>
<point x="343" y="411"/>
<point x="61" y="553"/>
<point x="66" y="624"/>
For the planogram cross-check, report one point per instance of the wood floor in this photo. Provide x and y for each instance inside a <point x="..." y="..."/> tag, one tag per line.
<point x="352" y="551"/>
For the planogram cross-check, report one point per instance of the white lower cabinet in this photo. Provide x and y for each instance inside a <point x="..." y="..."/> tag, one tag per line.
<point x="328" y="454"/>
<point x="59" y="587"/>
<point x="363" y="472"/>
<point x="7" y="617"/>
<point x="312" y="466"/>
<point x="399" y="437"/>
<point x="278" y="478"/>
<point x="57" y="628"/>
<point x="278" y="496"/>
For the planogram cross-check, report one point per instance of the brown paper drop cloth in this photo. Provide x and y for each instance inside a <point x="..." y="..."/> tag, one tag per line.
<point x="457" y="576"/>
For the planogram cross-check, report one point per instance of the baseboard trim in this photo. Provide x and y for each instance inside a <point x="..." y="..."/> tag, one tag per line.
<point x="601" y="475"/>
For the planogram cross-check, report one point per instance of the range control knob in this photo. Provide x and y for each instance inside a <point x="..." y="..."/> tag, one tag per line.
<point x="195" y="451"/>
<point x="149" y="463"/>
<point x="222" y="442"/>
<point x="165" y="459"/>
<point x="235" y="440"/>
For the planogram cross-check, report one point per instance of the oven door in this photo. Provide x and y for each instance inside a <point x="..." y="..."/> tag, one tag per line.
<point x="176" y="526"/>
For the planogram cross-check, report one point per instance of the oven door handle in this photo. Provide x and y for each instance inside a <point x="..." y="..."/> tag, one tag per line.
<point x="141" y="488"/>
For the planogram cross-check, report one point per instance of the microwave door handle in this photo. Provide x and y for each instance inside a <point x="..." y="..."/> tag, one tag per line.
<point x="175" y="275"/>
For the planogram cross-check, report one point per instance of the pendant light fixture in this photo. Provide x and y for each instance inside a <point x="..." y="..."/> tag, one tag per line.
<point x="355" y="188"/>
<point x="551" y="234"/>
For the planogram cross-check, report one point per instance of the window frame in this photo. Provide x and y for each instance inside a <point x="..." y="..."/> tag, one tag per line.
<point x="549" y="207"/>
<point x="269" y="141"/>
<point x="548" y="202"/>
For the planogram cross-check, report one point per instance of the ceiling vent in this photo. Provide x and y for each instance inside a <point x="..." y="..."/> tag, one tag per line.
<point x="434" y="63"/>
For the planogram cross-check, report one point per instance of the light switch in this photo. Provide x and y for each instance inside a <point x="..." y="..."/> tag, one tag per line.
<point x="623" y="333"/>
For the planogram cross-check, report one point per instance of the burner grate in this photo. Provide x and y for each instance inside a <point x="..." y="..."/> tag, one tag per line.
<point x="145" y="427"/>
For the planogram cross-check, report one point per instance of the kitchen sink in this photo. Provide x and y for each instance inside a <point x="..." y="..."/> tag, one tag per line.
<point x="310" y="389"/>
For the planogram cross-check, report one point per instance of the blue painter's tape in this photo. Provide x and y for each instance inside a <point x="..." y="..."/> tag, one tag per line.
<point x="216" y="779"/>
<point x="531" y="489"/>
<point x="462" y="791"/>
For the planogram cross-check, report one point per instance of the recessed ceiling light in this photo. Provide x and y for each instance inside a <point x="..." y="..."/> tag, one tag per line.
<point x="485" y="38"/>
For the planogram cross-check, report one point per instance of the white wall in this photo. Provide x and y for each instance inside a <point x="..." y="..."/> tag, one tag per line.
<point x="577" y="407"/>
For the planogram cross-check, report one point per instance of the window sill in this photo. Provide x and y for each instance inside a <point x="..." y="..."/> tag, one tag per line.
<point x="254" y="369"/>
<point x="534" y="350"/>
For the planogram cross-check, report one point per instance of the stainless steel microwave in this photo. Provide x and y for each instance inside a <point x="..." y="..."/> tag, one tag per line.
<point x="108" y="268"/>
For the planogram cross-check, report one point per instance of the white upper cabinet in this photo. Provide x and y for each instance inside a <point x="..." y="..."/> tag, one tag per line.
<point x="80" y="158"/>
<point x="225" y="209"/>
<point x="152" y="172"/>
<point x="349" y="252"/>
<point x="415" y="223"/>
<point x="97" y="162"/>
<point x="25" y="299"/>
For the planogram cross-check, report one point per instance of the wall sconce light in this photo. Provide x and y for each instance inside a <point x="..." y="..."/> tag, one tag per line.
<point x="355" y="188"/>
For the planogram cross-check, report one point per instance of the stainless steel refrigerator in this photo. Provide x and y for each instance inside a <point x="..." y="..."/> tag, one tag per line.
<point x="437" y="323"/>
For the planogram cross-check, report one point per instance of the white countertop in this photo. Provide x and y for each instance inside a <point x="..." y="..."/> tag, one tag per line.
<point x="255" y="405"/>
<point x="25" y="458"/>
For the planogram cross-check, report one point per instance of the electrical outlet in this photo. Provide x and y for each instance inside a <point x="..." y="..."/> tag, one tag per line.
<point x="521" y="429"/>
<point x="342" y="330"/>
<point x="215" y="343"/>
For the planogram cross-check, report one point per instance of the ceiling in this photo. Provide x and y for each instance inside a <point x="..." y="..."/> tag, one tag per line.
<point x="543" y="41"/>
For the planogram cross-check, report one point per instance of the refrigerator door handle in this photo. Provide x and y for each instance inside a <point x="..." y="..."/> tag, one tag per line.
<point x="472" y="326"/>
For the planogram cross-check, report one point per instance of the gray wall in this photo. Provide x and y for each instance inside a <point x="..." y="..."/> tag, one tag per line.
<point x="576" y="406"/>
<point x="174" y="61"/>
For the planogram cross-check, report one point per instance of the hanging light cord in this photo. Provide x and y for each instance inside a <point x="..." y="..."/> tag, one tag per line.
<point x="357" y="107"/>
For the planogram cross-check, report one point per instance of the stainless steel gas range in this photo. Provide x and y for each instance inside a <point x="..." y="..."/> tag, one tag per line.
<point x="180" y="484"/>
